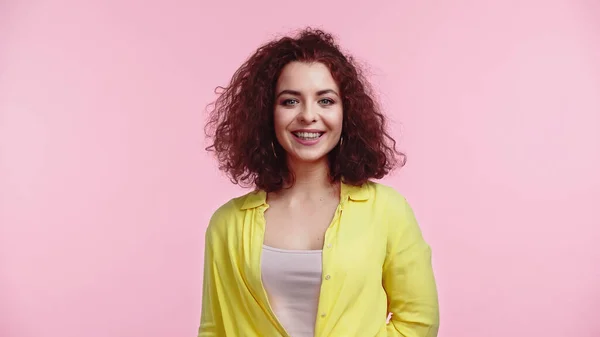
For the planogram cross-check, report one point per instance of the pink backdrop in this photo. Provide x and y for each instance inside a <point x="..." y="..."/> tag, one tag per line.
<point x="105" y="190"/>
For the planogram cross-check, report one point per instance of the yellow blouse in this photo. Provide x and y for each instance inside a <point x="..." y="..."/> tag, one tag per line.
<point x="375" y="262"/>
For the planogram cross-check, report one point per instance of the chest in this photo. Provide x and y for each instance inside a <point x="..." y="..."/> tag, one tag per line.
<point x="352" y="240"/>
<point x="299" y="228"/>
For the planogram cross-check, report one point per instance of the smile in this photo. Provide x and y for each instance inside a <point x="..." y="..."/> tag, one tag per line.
<point x="308" y="135"/>
<point x="307" y="138"/>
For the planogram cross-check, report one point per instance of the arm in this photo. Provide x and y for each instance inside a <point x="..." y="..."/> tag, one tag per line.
<point x="210" y="320"/>
<point x="408" y="276"/>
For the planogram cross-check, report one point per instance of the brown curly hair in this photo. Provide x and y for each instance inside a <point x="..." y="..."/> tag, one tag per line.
<point x="241" y="119"/>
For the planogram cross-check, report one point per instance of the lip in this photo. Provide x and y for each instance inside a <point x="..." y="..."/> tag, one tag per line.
<point x="309" y="130"/>
<point x="307" y="142"/>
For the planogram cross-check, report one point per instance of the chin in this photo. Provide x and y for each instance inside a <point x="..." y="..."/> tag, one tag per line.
<point x="308" y="154"/>
<point x="311" y="160"/>
<point x="310" y="157"/>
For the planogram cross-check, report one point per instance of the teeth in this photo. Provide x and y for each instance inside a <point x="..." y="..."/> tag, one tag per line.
<point x="308" y="135"/>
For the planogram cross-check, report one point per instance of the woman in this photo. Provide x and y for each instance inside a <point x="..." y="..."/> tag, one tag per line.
<point x="317" y="249"/>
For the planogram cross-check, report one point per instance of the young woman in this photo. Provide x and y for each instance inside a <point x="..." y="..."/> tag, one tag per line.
<point x="317" y="249"/>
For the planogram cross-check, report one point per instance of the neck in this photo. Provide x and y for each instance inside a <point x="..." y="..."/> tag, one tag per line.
<point x="311" y="181"/>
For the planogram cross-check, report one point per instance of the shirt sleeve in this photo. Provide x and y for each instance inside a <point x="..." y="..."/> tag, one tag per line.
<point x="210" y="319"/>
<point x="408" y="276"/>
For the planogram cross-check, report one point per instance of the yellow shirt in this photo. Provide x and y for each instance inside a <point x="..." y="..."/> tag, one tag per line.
<point x="375" y="261"/>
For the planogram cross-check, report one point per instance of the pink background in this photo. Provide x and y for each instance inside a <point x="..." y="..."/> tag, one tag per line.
<point x="105" y="189"/>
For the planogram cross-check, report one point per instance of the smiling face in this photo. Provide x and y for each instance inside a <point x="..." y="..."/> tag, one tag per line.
<point x="308" y="112"/>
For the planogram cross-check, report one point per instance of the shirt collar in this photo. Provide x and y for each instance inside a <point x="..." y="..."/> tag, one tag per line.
<point x="254" y="199"/>
<point x="357" y="193"/>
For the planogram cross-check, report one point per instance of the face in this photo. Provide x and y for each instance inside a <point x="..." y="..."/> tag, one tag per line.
<point x="308" y="111"/>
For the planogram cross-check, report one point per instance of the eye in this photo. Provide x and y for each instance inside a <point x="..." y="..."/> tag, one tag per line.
<point x="290" y="102"/>
<point x="326" y="101"/>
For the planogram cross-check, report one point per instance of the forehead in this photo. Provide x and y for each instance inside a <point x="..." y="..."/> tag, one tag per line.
<point x="304" y="76"/>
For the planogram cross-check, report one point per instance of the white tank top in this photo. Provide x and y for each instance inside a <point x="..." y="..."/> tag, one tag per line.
<point x="292" y="279"/>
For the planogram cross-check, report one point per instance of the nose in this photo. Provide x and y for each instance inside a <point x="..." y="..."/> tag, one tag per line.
<point x="307" y="114"/>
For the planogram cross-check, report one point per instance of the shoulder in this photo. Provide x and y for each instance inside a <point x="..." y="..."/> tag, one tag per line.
<point x="395" y="208"/>
<point x="386" y="194"/>
<point x="228" y="213"/>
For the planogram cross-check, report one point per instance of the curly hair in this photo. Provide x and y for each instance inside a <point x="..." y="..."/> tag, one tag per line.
<point x="240" y="121"/>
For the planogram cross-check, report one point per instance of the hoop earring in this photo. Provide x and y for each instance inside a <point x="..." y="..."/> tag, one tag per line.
<point x="273" y="147"/>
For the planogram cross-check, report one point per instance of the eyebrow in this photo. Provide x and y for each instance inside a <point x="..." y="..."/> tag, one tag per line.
<point x="297" y="93"/>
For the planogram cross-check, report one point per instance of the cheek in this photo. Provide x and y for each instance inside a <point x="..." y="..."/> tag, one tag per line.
<point x="336" y="120"/>
<point x="276" y="117"/>
<point x="284" y="116"/>
<point x="280" y="122"/>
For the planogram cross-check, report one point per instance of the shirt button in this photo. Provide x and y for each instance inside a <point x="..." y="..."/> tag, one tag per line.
<point x="329" y="245"/>
<point x="323" y="315"/>
<point x="327" y="277"/>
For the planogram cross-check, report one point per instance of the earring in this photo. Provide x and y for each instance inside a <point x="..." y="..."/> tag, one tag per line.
<point x="273" y="147"/>
<point x="341" y="140"/>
